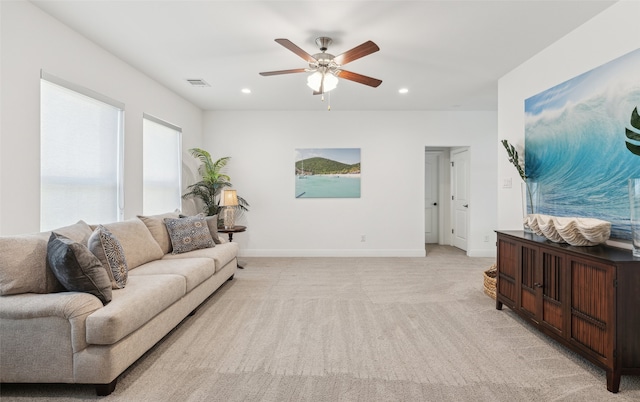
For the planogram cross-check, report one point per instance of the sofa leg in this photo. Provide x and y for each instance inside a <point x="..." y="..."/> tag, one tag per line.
<point x="230" y="278"/>
<point x="106" y="389"/>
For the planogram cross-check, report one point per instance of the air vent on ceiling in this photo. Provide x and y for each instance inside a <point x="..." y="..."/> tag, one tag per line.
<point x="197" y="82"/>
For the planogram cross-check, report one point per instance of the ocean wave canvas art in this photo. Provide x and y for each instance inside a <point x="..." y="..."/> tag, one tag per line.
<point x="327" y="173"/>
<point x="576" y="144"/>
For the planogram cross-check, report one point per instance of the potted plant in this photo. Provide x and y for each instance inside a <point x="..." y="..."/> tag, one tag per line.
<point x="214" y="180"/>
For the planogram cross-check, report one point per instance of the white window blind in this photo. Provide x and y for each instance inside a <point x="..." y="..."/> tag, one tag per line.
<point x="161" y="166"/>
<point x="81" y="152"/>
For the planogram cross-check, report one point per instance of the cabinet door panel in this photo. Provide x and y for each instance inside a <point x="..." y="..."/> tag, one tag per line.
<point x="528" y="280"/>
<point x="507" y="265"/>
<point x="592" y="307"/>
<point x="553" y="290"/>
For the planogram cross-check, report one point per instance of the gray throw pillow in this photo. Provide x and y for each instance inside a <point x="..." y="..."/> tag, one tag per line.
<point x="77" y="269"/>
<point x="212" y="223"/>
<point x="187" y="234"/>
<point x="104" y="245"/>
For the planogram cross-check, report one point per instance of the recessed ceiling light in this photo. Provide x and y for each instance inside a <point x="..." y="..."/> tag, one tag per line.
<point x="403" y="90"/>
<point x="246" y="91"/>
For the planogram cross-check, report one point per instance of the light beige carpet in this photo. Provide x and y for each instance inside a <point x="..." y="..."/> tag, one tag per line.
<point x="353" y="329"/>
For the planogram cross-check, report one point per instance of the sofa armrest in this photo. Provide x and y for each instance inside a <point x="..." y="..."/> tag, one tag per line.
<point x="71" y="306"/>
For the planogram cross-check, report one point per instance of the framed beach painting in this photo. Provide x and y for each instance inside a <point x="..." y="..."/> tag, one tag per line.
<point x="327" y="173"/>
<point x="576" y="148"/>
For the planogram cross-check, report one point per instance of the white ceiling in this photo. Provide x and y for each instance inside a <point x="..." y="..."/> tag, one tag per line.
<point x="449" y="54"/>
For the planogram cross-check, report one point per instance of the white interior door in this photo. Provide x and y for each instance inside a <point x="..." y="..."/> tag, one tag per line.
<point x="431" y="196"/>
<point x="460" y="197"/>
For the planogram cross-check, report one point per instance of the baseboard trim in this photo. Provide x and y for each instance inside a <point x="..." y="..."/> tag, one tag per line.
<point x="331" y="253"/>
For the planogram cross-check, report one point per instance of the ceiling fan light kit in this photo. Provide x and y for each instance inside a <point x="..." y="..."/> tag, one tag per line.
<point x="326" y="81"/>
<point x="326" y="68"/>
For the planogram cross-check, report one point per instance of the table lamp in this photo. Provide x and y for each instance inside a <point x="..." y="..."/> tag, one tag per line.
<point x="229" y="201"/>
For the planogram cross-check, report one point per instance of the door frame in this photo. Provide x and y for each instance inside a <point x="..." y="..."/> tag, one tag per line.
<point x="445" y="213"/>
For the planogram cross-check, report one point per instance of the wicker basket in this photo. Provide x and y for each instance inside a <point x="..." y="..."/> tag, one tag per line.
<point x="490" y="281"/>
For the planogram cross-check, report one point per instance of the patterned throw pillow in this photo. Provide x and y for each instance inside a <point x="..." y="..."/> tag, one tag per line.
<point x="187" y="234"/>
<point x="212" y="222"/>
<point x="77" y="269"/>
<point x="104" y="245"/>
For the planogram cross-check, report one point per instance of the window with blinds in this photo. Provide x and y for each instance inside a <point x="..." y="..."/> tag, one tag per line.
<point x="81" y="154"/>
<point x="161" y="166"/>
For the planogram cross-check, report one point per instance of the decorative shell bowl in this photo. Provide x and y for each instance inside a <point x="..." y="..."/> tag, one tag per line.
<point x="575" y="231"/>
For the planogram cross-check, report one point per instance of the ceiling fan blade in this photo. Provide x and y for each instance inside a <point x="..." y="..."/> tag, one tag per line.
<point x="357" y="52"/>
<point x="359" y="78"/>
<point x="295" y="70"/>
<point x="295" y="49"/>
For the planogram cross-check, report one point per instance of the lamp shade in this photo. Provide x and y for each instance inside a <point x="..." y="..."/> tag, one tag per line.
<point x="315" y="79"/>
<point x="229" y="198"/>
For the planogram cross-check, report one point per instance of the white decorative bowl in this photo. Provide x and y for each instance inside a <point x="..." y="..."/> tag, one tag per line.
<point x="575" y="231"/>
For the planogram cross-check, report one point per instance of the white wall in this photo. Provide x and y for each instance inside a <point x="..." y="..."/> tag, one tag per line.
<point x="32" y="40"/>
<point x="261" y="146"/>
<point x="609" y="35"/>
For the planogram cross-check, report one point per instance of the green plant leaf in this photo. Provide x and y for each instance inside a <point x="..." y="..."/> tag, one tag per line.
<point x="514" y="159"/>
<point x="632" y="135"/>
<point x="635" y="118"/>
<point x="635" y="149"/>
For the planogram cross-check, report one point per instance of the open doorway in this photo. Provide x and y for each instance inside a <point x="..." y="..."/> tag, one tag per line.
<point x="446" y="190"/>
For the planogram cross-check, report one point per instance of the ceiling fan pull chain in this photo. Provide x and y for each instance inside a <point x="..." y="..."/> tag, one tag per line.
<point x="329" y="105"/>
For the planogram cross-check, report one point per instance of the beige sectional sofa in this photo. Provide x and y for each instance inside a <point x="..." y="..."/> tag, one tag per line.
<point x="50" y="335"/>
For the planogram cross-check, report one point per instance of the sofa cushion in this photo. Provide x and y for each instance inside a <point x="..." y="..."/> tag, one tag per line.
<point x="23" y="261"/>
<point x="158" y="229"/>
<point x="104" y="245"/>
<point x="144" y="297"/>
<point x="194" y="270"/>
<point x="222" y="254"/>
<point x="77" y="269"/>
<point x="187" y="234"/>
<point x="136" y="240"/>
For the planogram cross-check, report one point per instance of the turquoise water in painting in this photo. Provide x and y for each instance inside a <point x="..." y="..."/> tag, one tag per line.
<point x="332" y="186"/>
<point x="579" y="158"/>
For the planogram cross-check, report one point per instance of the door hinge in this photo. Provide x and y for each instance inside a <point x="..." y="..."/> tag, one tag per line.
<point x="451" y="198"/>
<point x="451" y="231"/>
<point x="615" y="283"/>
<point x="452" y="164"/>
<point x="615" y="353"/>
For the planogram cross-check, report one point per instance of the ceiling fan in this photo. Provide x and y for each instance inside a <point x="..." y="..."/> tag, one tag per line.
<point x="326" y="68"/>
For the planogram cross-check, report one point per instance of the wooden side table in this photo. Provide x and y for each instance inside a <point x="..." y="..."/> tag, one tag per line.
<point x="230" y="232"/>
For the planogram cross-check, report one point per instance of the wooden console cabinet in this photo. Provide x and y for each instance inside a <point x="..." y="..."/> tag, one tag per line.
<point x="586" y="298"/>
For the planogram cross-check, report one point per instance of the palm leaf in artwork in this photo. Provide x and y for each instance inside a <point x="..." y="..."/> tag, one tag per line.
<point x="632" y="135"/>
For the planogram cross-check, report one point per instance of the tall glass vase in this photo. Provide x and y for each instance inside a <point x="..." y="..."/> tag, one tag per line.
<point x="634" y="205"/>
<point x="530" y="201"/>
